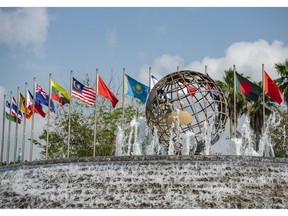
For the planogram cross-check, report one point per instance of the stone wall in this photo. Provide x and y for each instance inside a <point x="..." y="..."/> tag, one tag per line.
<point x="147" y="182"/>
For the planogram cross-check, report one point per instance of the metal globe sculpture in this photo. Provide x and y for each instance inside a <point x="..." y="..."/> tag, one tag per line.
<point x="186" y="101"/>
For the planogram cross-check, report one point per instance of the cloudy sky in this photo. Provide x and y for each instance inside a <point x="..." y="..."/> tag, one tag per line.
<point x="37" y="41"/>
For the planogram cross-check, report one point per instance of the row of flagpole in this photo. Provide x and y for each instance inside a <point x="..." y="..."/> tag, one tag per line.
<point x="274" y="90"/>
<point x="48" y="118"/>
<point x="69" y="116"/>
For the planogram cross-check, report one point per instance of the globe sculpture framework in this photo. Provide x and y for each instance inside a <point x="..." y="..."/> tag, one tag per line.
<point x="192" y="101"/>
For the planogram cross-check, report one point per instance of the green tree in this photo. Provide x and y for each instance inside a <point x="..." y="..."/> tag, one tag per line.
<point x="278" y="137"/>
<point x="282" y="70"/>
<point x="83" y="126"/>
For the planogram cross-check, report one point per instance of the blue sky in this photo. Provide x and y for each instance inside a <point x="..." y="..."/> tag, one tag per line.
<point x="37" y="41"/>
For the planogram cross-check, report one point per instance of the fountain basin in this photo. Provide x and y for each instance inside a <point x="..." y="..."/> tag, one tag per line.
<point x="184" y="182"/>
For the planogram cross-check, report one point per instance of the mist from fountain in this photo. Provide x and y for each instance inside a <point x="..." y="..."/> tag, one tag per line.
<point x="265" y="144"/>
<point x="139" y="143"/>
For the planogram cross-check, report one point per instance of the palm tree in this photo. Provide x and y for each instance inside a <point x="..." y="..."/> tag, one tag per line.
<point x="282" y="70"/>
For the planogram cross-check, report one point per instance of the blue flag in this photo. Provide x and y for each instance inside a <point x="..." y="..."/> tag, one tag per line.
<point x="135" y="89"/>
<point x="43" y="98"/>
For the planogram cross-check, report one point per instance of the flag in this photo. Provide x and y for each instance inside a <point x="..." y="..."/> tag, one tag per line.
<point x="22" y="103"/>
<point x="135" y="89"/>
<point x="13" y="115"/>
<point x="16" y="110"/>
<point x="154" y="80"/>
<point x="37" y="109"/>
<point x="214" y="90"/>
<point x="43" y="98"/>
<point x="83" y="93"/>
<point x="246" y="88"/>
<point x="59" y="94"/>
<point x="189" y="89"/>
<point x="272" y="89"/>
<point x="105" y="92"/>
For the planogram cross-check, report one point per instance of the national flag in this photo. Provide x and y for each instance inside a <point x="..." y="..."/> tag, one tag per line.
<point x="22" y="103"/>
<point x="83" y="93"/>
<point x="59" y="94"/>
<point x="105" y="92"/>
<point x="272" y="89"/>
<point x="11" y="114"/>
<point x="246" y="88"/>
<point x="43" y="98"/>
<point x="188" y="89"/>
<point x="135" y="89"/>
<point x="37" y="109"/>
<point x="15" y="110"/>
<point x="214" y="90"/>
<point x="153" y="81"/>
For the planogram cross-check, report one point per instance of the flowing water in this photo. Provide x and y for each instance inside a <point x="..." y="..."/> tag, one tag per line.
<point x="186" y="142"/>
<point x="144" y="174"/>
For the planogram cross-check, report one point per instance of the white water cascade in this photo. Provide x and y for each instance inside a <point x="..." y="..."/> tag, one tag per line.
<point x="138" y="142"/>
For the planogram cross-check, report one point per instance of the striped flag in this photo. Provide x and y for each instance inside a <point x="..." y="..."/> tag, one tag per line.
<point x="83" y="93"/>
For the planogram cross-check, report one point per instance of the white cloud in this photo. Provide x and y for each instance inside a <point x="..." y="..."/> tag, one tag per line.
<point x="161" y="66"/>
<point x="24" y="26"/>
<point x="248" y="58"/>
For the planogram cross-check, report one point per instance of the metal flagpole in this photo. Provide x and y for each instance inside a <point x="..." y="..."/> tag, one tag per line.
<point x="32" y="123"/>
<point x="150" y="73"/>
<point x="48" y="119"/>
<point x="263" y="93"/>
<point x="9" y="132"/>
<point x="95" y="115"/>
<point x="235" y="120"/>
<point x="150" y="79"/>
<point x="205" y="101"/>
<point x="16" y="128"/>
<point x="69" y="116"/>
<point x="3" y="132"/>
<point x="24" y="125"/>
<point x="123" y="97"/>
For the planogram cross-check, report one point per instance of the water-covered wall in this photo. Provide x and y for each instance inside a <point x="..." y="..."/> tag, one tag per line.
<point x="147" y="182"/>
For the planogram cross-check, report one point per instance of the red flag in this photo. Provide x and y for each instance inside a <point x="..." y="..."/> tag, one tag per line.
<point x="37" y="109"/>
<point x="105" y="92"/>
<point x="272" y="89"/>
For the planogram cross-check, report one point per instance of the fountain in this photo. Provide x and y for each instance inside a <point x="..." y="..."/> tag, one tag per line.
<point x="159" y="169"/>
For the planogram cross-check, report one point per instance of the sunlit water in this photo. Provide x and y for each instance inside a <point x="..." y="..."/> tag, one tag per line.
<point x="144" y="174"/>
<point x="161" y="182"/>
<point x="134" y="142"/>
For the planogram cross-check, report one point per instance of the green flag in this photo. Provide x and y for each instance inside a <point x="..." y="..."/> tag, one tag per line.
<point x="248" y="89"/>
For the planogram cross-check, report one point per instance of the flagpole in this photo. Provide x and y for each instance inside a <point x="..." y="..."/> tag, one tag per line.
<point x="123" y="98"/>
<point x="69" y="116"/>
<point x="263" y="93"/>
<point x="150" y="73"/>
<point x="150" y="79"/>
<point x="9" y="132"/>
<point x="177" y="68"/>
<point x="16" y="128"/>
<point x="32" y="123"/>
<point x="235" y="120"/>
<point x="95" y="115"/>
<point x="205" y="101"/>
<point x="48" y="119"/>
<point x="3" y="132"/>
<point x="24" y="125"/>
